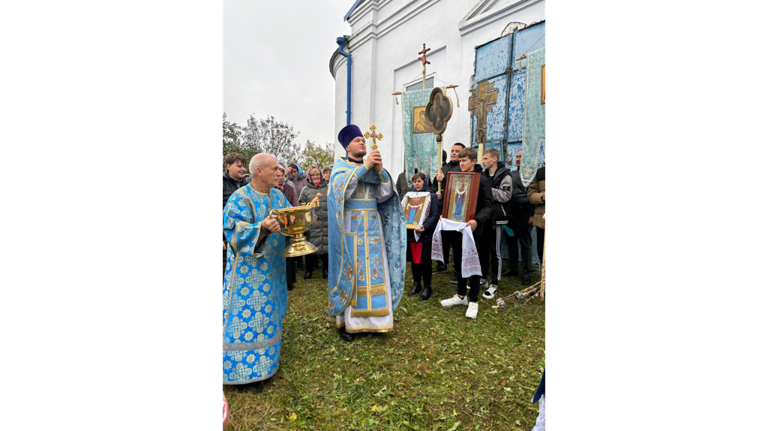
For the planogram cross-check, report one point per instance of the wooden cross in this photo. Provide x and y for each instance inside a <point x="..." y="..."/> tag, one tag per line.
<point x="424" y="64"/>
<point x="423" y="52"/>
<point x="372" y="134"/>
<point x="480" y="104"/>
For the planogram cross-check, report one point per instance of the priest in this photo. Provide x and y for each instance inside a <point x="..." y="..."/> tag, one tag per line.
<point x="367" y="241"/>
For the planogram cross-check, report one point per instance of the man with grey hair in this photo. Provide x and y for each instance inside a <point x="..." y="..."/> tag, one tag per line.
<point x="255" y="294"/>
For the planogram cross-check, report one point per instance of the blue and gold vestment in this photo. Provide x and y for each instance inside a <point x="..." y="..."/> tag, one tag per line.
<point x="255" y="291"/>
<point x="366" y="269"/>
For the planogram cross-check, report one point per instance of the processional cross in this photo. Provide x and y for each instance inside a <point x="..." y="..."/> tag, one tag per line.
<point x="480" y="104"/>
<point x="372" y="134"/>
<point x="424" y="64"/>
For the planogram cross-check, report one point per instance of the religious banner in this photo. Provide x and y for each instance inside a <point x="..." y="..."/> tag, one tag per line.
<point x="533" y="128"/>
<point x="420" y="146"/>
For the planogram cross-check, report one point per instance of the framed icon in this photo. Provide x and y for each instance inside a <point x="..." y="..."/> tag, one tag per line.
<point x="461" y="192"/>
<point x="414" y="204"/>
<point x="420" y="124"/>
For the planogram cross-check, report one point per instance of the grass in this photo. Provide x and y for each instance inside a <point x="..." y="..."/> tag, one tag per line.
<point x="437" y="371"/>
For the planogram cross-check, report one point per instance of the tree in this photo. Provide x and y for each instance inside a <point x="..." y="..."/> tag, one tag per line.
<point x="232" y="137"/>
<point x="316" y="155"/>
<point x="270" y="136"/>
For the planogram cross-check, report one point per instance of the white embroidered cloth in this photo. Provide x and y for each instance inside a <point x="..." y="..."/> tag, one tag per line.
<point x="470" y="262"/>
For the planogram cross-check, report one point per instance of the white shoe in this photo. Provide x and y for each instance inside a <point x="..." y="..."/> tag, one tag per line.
<point x="483" y="281"/>
<point x="491" y="292"/>
<point x="472" y="310"/>
<point x="455" y="300"/>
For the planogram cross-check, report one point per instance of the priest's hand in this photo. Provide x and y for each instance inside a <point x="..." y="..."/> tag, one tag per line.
<point x="439" y="176"/>
<point x="420" y="229"/>
<point x="271" y="224"/>
<point x="374" y="160"/>
<point x="472" y="224"/>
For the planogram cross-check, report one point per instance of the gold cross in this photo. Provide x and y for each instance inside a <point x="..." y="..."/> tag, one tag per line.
<point x="372" y="134"/>
<point x="480" y="104"/>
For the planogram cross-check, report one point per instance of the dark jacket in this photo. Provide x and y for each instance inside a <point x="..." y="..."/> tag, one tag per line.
<point x="228" y="186"/>
<point x="318" y="232"/>
<point x="448" y="167"/>
<point x="501" y="183"/>
<point x="290" y="193"/>
<point x="484" y="208"/>
<point x="521" y="207"/>
<point x="401" y="186"/>
<point x="430" y="223"/>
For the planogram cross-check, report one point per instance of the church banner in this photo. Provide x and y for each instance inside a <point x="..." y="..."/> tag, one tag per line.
<point x="533" y="128"/>
<point x="420" y="143"/>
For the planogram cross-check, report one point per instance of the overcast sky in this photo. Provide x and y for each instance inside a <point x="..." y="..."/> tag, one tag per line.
<point x="276" y="56"/>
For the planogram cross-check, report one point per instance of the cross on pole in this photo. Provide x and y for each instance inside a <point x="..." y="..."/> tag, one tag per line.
<point x="424" y="64"/>
<point x="480" y="104"/>
<point x="372" y="134"/>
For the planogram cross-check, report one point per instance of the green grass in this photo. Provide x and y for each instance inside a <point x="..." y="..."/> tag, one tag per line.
<point x="437" y="371"/>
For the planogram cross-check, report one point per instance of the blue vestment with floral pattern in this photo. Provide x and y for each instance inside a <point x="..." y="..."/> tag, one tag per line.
<point x="255" y="291"/>
<point x="367" y="238"/>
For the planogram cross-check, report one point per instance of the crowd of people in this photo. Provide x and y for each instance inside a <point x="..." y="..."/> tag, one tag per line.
<point x="363" y="243"/>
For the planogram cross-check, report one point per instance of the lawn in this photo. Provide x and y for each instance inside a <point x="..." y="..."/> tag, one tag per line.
<point x="437" y="371"/>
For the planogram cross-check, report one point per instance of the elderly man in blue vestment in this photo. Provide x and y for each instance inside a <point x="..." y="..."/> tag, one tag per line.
<point x="366" y="243"/>
<point x="255" y="293"/>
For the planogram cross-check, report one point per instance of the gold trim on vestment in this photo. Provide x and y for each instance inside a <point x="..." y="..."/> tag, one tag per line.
<point x="370" y="313"/>
<point x="371" y="328"/>
<point x="379" y="289"/>
<point x="367" y="263"/>
<point x="353" y="292"/>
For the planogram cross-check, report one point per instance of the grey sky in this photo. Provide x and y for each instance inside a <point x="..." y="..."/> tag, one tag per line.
<point x="276" y="56"/>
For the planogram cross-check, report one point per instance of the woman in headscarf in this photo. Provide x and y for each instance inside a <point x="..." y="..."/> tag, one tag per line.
<point x="318" y="231"/>
<point x="419" y="251"/>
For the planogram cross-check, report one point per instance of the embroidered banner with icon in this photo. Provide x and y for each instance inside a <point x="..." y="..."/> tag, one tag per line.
<point x="419" y="141"/>
<point x="533" y="128"/>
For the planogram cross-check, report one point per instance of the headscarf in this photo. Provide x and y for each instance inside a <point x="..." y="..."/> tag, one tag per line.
<point x="309" y="176"/>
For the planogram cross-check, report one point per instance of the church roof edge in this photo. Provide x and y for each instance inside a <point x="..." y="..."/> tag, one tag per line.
<point x="352" y="9"/>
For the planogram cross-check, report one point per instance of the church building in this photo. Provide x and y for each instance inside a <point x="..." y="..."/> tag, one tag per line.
<point x="479" y="46"/>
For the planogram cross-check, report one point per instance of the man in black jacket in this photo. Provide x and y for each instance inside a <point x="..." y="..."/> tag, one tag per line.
<point x="483" y="220"/>
<point x="452" y="166"/>
<point x="490" y="254"/>
<point x="520" y="219"/>
<point x="234" y="178"/>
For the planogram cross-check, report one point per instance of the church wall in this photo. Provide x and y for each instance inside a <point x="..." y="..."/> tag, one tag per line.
<point x="384" y="47"/>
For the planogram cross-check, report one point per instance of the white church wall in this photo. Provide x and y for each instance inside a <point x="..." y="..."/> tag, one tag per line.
<point x="386" y="37"/>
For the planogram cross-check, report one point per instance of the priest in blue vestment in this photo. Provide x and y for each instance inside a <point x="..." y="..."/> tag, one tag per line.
<point x="255" y="292"/>
<point x="367" y="240"/>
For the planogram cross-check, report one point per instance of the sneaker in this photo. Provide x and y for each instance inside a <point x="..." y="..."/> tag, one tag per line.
<point x="454" y="280"/>
<point x="483" y="281"/>
<point x="472" y="310"/>
<point x="455" y="300"/>
<point x="491" y="292"/>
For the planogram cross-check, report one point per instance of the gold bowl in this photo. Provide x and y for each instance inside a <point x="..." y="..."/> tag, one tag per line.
<point x="294" y="221"/>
